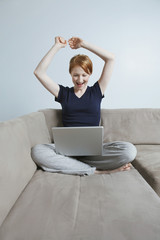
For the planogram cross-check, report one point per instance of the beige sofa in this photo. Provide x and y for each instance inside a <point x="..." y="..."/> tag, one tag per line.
<point x="39" y="205"/>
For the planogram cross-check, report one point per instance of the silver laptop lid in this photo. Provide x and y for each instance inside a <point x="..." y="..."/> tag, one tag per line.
<point x="78" y="141"/>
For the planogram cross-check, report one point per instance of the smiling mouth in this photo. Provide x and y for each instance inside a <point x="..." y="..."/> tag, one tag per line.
<point x="80" y="84"/>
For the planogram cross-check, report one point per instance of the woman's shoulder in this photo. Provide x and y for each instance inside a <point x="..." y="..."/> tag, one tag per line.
<point x="95" y="88"/>
<point x="65" y="87"/>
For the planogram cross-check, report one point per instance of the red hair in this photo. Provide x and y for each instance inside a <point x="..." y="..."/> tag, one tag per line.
<point x="83" y="61"/>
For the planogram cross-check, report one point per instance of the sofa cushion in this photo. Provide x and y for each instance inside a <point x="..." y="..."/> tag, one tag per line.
<point x="138" y="126"/>
<point x="111" y="206"/>
<point x="16" y="165"/>
<point x="37" y="128"/>
<point x="147" y="162"/>
<point x="53" y="119"/>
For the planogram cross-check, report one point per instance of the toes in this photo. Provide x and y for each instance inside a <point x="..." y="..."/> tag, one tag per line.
<point x="126" y="167"/>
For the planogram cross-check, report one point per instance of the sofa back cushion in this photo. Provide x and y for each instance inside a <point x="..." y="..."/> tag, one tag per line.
<point x="138" y="126"/>
<point x="16" y="165"/>
<point x="36" y="127"/>
<point x="53" y="119"/>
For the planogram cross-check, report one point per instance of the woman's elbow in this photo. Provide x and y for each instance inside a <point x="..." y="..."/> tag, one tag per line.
<point x="36" y="73"/>
<point x="111" y="57"/>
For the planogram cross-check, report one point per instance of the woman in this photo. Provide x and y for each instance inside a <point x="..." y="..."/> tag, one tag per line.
<point x="81" y="107"/>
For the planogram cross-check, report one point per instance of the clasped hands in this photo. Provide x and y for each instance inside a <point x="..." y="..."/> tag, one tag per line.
<point x="74" y="42"/>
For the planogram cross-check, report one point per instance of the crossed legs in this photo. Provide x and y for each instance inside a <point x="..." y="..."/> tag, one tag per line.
<point x="117" y="156"/>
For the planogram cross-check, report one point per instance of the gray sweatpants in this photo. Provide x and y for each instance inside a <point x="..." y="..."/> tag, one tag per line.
<point x="115" y="155"/>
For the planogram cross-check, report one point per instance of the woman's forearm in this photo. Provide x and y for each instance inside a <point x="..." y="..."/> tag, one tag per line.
<point x="104" y="54"/>
<point x="46" y="60"/>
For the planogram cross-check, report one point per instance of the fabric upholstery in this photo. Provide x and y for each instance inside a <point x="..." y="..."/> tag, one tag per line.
<point x="66" y="207"/>
<point x="38" y="205"/>
<point x="138" y="126"/>
<point x="36" y="128"/>
<point x="147" y="162"/>
<point x="53" y="119"/>
<point x="16" y="165"/>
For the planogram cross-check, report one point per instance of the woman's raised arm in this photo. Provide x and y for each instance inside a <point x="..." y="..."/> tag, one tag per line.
<point x="40" y="71"/>
<point x="108" y="58"/>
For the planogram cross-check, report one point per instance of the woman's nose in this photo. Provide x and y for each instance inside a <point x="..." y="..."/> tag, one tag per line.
<point x="80" y="79"/>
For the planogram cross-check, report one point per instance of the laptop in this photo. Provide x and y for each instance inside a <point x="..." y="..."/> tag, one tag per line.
<point x="78" y="141"/>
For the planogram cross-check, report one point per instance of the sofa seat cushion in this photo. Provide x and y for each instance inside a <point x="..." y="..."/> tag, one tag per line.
<point x="66" y="207"/>
<point x="147" y="162"/>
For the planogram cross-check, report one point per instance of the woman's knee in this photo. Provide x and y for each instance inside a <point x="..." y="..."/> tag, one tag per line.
<point x="129" y="151"/>
<point x="39" y="151"/>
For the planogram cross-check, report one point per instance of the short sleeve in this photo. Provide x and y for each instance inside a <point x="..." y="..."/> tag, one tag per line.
<point x="97" y="90"/>
<point x="62" y="94"/>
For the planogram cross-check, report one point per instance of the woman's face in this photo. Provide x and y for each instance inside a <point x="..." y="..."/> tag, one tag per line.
<point x="80" y="78"/>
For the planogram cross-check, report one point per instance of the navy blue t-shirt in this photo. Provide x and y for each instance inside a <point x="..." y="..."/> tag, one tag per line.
<point x="83" y="111"/>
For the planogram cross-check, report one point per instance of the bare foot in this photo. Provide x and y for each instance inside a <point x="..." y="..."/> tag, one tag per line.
<point x="123" y="168"/>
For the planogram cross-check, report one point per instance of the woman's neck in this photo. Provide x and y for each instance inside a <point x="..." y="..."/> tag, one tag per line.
<point x="80" y="92"/>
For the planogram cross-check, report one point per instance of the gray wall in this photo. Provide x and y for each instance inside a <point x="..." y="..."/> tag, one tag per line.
<point x="129" y="29"/>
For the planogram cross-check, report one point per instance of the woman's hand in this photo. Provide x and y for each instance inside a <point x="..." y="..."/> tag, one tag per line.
<point x="61" y="41"/>
<point x="75" y="42"/>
